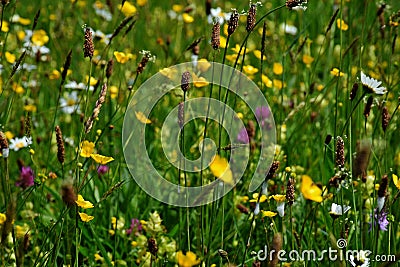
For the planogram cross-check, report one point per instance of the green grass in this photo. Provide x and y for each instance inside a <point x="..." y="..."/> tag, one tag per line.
<point x="42" y="230"/>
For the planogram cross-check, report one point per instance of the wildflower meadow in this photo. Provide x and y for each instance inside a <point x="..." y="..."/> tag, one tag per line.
<point x="199" y="133"/>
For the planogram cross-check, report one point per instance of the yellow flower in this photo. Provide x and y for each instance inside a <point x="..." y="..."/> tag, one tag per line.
<point x="277" y="68"/>
<point x="122" y="57"/>
<point x="18" y="88"/>
<point x="39" y="38"/>
<point x="21" y="231"/>
<point x="278" y="84"/>
<point x="54" y="75"/>
<point x="307" y="59"/>
<point x="200" y="82"/>
<point x="24" y="21"/>
<point x="3" y="218"/>
<point x="113" y="92"/>
<point x="87" y="148"/>
<point x="232" y="58"/>
<point x="336" y="72"/>
<point x="187" y="18"/>
<point x="188" y="260"/>
<point x="257" y="53"/>
<point x="342" y="25"/>
<point x="266" y="81"/>
<point x="203" y="65"/>
<point x="170" y="73"/>
<point x="5" y="27"/>
<point x="10" y="57"/>
<point x="21" y="35"/>
<point x="9" y="135"/>
<point x="220" y="168"/>
<point x="268" y="213"/>
<point x="177" y="8"/>
<point x="396" y="181"/>
<point x="279" y="198"/>
<point x="250" y="70"/>
<point x="237" y="49"/>
<point x="141" y="2"/>
<point x="222" y="42"/>
<point x="101" y="159"/>
<point x="84" y="204"/>
<point x="255" y="198"/>
<point x="142" y="118"/>
<point x="97" y="257"/>
<point x="93" y="80"/>
<point x="85" y="217"/>
<point x="310" y="190"/>
<point x="128" y="9"/>
<point x="30" y="108"/>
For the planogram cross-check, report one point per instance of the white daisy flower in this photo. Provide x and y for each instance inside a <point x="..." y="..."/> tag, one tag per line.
<point x="360" y="259"/>
<point x="18" y="143"/>
<point x="372" y="85"/>
<point x="70" y="103"/>
<point x="288" y="29"/>
<point x="218" y="15"/>
<point x="339" y="209"/>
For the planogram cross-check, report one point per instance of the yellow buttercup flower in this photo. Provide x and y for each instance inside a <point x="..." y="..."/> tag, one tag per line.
<point x="10" y="57"/>
<point x="128" y="9"/>
<point x="250" y="70"/>
<point x="113" y="92"/>
<point x="268" y="213"/>
<point x="342" y="25"/>
<point x="122" y="57"/>
<point x="54" y="75"/>
<point x="396" y="181"/>
<point x="200" y="82"/>
<point x="222" y="42"/>
<point x="187" y="18"/>
<point x="336" y="72"/>
<point x="87" y="148"/>
<point x="142" y="118"/>
<point x="21" y="231"/>
<point x="203" y="65"/>
<point x="39" y="38"/>
<point x="257" y="53"/>
<point x="3" y="218"/>
<point x="24" y="21"/>
<point x="30" y="108"/>
<point x="5" y="27"/>
<point x="93" y="80"/>
<point x="278" y="84"/>
<point x="18" y="88"/>
<point x="101" y="159"/>
<point x="220" y="168"/>
<point x="21" y="35"/>
<point x="85" y="217"/>
<point x="84" y="204"/>
<point x="266" y="81"/>
<point x="279" y="198"/>
<point x="188" y="260"/>
<point x="307" y="59"/>
<point x="177" y="8"/>
<point x="170" y="73"/>
<point x="277" y="68"/>
<point x="141" y="2"/>
<point x="263" y="198"/>
<point x="310" y="190"/>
